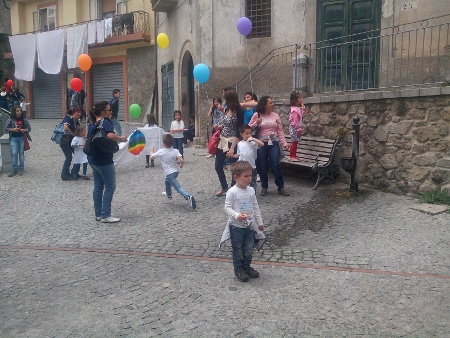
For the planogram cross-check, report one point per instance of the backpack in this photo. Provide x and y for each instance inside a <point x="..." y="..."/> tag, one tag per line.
<point x="58" y="133"/>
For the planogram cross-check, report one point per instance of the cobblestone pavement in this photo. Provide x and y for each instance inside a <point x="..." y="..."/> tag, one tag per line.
<point x="335" y="264"/>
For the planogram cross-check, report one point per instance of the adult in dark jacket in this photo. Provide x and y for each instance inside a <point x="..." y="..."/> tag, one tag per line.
<point x="70" y="122"/>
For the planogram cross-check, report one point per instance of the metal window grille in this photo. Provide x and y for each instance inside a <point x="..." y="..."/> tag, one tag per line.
<point x="260" y="14"/>
<point x="167" y="96"/>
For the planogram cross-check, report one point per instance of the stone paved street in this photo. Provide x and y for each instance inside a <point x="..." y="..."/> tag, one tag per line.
<point x="335" y="263"/>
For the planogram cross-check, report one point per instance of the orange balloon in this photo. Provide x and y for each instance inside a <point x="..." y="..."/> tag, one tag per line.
<point x="84" y="62"/>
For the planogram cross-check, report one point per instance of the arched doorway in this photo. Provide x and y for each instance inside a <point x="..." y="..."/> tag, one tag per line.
<point x="187" y="89"/>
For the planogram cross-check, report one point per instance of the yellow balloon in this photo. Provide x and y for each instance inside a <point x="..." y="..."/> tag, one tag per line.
<point x="162" y="40"/>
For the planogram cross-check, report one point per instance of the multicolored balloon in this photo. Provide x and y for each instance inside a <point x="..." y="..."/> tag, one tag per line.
<point x="136" y="142"/>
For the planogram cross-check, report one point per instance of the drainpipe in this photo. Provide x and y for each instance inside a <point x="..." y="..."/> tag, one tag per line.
<point x="155" y="90"/>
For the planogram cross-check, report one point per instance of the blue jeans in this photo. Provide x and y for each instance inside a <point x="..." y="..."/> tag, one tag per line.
<point x="104" y="187"/>
<point x="17" y="153"/>
<point x="68" y="152"/>
<point x="76" y="168"/>
<point x="178" y="144"/>
<point x="253" y="182"/>
<point x="171" y="181"/>
<point x="221" y="158"/>
<point x="117" y="127"/>
<point x="270" y="154"/>
<point x="242" y="242"/>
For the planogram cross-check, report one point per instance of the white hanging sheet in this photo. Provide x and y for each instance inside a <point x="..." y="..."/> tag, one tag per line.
<point x="76" y="38"/>
<point x="92" y="32"/>
<point x="23" y="48"/>
<point x="50" y="50"/>
<point x="101" y="31"/>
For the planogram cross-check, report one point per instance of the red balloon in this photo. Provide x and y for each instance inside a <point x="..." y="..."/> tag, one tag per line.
<point x="10" y="83"/>
<point x="76" y="84"/>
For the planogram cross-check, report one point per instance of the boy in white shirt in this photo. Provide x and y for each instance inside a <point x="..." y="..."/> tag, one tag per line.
<point x="169" y="157"/>
<point x="247" y="150"/>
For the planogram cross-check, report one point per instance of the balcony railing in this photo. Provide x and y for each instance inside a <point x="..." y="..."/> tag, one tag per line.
<point x="414" y="54"/>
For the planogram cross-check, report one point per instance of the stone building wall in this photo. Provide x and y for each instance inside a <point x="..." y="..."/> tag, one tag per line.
<point x="404" y="141"/>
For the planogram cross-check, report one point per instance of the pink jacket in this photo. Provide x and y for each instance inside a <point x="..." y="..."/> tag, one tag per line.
<point x="271" y="123"/>
<point x="295" y="117"/>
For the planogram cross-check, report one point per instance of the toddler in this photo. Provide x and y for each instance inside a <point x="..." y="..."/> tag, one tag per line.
<point x="79" y="157"/>
<point x="245" y="223"/>
<point x="169" y="157"/>
<point x="176" y="129"/>
<point x="295" y="124"/>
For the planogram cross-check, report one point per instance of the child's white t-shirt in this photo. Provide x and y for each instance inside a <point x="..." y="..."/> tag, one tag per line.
<point x="169" y="157"/>
<point x="177" y="125"/>
<point x="247" y="151"/>
<point x="79" y="157"/>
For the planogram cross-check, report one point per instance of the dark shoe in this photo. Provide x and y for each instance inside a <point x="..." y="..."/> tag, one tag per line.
<point x="12" y="173"/>
<point x="221" y="192"/>
<point x="241" y="274"/>
<point x="252" y="273"/>
<point x="283" y="192"/>
<point x="68" y="178"/>
<point x="20" y="172"/>
<point x="87" y="178"/>
<point x="192" y="203"/>
<point x="263" y="192"/>
<point x="147" y="165"/>
<point x="76" y="176"/>
<point x="152" y="164"/>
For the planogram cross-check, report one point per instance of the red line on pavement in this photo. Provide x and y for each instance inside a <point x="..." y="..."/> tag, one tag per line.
<point x="218" y="259"/>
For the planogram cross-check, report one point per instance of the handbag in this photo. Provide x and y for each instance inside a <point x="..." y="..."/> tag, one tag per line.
<point x="26" y="144"/>
<point x="256" y="130"/>
<point x="213" y="142"/>
<point x="101" y="142"/>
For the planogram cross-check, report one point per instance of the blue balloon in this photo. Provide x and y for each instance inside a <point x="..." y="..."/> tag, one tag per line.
<point x="201" y="73"/>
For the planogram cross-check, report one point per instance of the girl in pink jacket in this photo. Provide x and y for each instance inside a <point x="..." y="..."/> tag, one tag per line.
<point x="295" y="124"/>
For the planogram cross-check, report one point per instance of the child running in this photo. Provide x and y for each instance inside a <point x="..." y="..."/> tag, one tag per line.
<point x="79" y="157"/>
<point x="295" y="124"/>
<point x="247" y="150"/>
<point x="245" y="223"/>
<point x="169" y="157"/>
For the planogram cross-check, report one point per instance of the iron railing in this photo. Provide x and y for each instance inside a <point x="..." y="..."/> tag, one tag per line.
<point x="413" y="54"/>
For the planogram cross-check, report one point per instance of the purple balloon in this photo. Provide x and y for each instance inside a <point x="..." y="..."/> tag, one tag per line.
<point x="244" y="25"/>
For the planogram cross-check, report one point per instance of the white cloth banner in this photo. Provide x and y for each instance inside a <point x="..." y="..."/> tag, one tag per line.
<point x="153" y="139"/>
<point x="76" y="41"/>
<point x="92" y="32"/>
<point x="108" y="27"/>
<point x="23" y="48"/>
<point x="101" y="31"/>
<point x="50" y="49"/>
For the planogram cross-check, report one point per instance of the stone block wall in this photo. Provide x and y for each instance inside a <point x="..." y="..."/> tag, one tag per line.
<point x="404" y="141"/>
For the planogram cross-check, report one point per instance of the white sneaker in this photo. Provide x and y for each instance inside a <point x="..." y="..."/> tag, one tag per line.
<point x="98" y="219"/>
<point x="110" y="219"/>
<point x="258" y="179"/>
<point x="192" y="203"/>
<point x="165" y="194"/>
<point x="209" y="156"/>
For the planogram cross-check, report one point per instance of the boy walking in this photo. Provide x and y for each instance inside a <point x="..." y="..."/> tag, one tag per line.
<point x="169" y="157"/>
<point x="245" y="223"/>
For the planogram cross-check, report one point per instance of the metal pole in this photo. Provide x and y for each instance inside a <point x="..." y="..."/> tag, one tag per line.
<point x="355" y="154"/>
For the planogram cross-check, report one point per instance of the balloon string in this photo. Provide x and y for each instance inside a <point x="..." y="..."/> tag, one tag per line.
<point x="249" y="69"/>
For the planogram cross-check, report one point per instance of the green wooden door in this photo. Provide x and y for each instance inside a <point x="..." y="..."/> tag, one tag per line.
<point x="348" y="45"/>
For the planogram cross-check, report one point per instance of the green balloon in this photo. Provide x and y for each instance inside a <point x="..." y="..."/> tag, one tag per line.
<point x="135" y="110"/>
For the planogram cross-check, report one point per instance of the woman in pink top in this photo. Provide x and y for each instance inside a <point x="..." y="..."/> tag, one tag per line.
<point x="271" y="133"/>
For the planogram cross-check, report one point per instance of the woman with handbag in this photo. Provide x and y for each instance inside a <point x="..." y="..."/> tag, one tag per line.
<point x="70" y="122"/>
<point x="102" y="164"/>
<point x="271" y="133"/>
<point x="232" y="119"/>
<point x="18" y="127"/>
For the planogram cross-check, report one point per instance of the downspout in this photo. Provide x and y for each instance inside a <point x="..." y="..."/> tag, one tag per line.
<point x="155" y="90"/>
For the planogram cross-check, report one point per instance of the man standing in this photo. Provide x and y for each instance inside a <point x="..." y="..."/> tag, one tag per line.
<point x="114" y="105"/>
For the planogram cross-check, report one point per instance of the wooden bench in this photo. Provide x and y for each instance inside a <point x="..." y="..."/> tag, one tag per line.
<point x="314" y="153"/>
